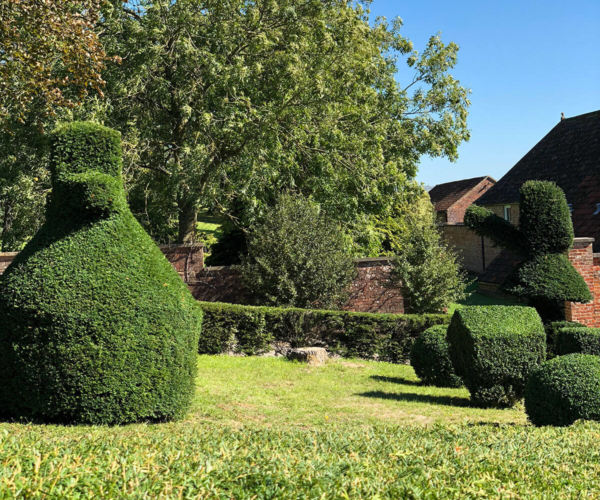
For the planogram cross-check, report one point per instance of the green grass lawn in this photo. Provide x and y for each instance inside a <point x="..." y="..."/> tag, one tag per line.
<point x="265" y="428"/>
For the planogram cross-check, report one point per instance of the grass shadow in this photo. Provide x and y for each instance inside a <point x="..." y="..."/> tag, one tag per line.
<point x="396" y="380"/>
<point x="418" y="398"/>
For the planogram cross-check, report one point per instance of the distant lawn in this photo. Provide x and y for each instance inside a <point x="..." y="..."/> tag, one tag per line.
<point x="264" y="428"/>
<point x="480" y="299"/>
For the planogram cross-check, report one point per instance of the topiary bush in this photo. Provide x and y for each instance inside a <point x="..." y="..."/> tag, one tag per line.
<point x="430" y="358"/>
<point x="95" y="325"/>
<point x="545" y="233"/>
<point x="580" y="340"/>
<point x="564" y="390"/>
<point x="493" y="348"/>
<point x="552" y="334"/>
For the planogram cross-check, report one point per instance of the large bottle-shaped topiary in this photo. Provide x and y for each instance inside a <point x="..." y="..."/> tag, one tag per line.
<point x="543" y="238"/>
<point x="95" y="325"/>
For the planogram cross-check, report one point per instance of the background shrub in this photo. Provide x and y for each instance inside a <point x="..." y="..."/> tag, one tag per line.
<point x="425" y="268"/>
<point x="580" y="340"/>
<point x="552" y="334"/>
<point x="95" y="325"/>
<point x="564" y="390"/>
<point x="297" y="257"/>
<point x="251" y="330"/>
<point x="493" y="348"/>
<point x="430" y="358"/>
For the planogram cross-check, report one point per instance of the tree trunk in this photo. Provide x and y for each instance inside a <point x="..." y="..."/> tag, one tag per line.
<point x="6" y="224"/>
<point x="188" y="217"/>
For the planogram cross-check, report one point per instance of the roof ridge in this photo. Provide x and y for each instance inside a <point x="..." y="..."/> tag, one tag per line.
<point x="580" y="116"/>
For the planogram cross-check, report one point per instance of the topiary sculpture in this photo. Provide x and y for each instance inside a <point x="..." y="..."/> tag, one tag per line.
<point x="564" y="390"/>
<point x="579" y="340"/>
<point x="493" y="348"/>
<point x="545" y="234"/>
<point x="95" y="325"/>
<point x="430" y="358"/>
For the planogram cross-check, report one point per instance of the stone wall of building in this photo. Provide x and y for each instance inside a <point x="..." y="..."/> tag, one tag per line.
<point x="475" y="252"/>
<point x="588" y="265"/>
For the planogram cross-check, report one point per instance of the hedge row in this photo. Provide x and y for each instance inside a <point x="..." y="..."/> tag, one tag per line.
<point x="252" y="330"/>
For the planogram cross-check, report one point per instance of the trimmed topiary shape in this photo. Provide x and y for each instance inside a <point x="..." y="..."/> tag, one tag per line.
<point x="564" y="390"/>
<point x="545" y="235"/>
<point x="430" y="358"/>
<point x="552" y="330"/>
<point x="578" y="340"/>
<point x="95" y="325"/>
<point x="493" y="348"/>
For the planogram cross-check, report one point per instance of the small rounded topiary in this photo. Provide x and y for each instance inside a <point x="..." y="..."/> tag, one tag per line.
<point x="95" y="325"/>
<point x="579" y="340"/>
<point x="430" y="358"/>
<point x="564" y="390"/>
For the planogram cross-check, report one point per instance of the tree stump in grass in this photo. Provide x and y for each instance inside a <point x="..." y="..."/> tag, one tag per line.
<point x="314" y="356"/>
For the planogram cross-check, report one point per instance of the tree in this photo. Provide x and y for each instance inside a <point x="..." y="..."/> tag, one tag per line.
<point x="231" y="103"/>
<point x="297" y="257"/>
<point x="425" y="268"/>
<point x="96" y="327"/>
<point x="545" y="235"/>
<point x="50" y="56"/>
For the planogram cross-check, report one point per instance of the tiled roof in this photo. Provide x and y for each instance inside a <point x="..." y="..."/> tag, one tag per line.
<point x="443" y="196"/>
<point x="570" y="156"/>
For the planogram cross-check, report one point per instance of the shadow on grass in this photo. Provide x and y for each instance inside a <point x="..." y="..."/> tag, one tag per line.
<point x="418" y="398"/>
<point x="396" y="380"/>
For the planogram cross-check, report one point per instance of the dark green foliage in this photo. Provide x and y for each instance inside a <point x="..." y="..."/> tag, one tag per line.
<point x="564" y="390"/>
<point x="552" y="334"/>
<point x="493" y="348"/>
<point x="545" y="218"/>
<point x="486" y="223"/>
<point x="95" y="325"/>
<point x="430" y="358"/>
<point x="546" y="276"/>
<point x="297" y="257"/>
<point x="579" y="340"/>
<point x="228" y="250"/>
<point x="549" y="277"/>
<point x="251" y="330"/>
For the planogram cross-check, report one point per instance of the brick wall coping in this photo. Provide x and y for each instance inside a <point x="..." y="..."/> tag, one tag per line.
<point x="584" y="240"/>
<point x="373" y="259"/>
<point x="8" y="255"/>
<point x="168" y="246"/>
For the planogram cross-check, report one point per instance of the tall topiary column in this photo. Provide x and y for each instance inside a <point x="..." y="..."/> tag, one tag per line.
<point x="543" y="239"/>
<point x="95" y="325"/>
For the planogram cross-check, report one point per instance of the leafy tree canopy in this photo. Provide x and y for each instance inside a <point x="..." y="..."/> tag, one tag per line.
<point x="227" y="104"/>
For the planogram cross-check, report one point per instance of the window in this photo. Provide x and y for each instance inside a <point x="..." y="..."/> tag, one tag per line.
<point x="507" y="213"/>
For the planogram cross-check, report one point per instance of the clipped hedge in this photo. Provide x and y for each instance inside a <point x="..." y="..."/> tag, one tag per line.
<point x="95" y="325"/>
<point x="252" y="330"/>
<point x="564" y="390"/>
<point x="493" y="348"/>
<point x="580" y="340"/>
<point x="430" y="358"/>
<point x="552" y="335"/>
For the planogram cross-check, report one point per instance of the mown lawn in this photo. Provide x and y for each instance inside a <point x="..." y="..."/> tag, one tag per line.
<point x="264" y="428"/>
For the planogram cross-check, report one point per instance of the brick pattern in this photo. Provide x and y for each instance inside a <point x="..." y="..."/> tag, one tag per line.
<point x="371" y="290"/>
<point x="468" y="246"/>
<point x="456" y="213"/>
<point x="588" y="264"/>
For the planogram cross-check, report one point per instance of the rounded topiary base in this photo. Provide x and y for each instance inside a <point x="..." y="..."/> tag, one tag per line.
<point x="430" y="358"/>
<point x="564" y="390"/>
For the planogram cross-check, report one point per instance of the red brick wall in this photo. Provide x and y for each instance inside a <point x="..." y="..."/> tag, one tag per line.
<point x="588" y="265"/>
<point x="468" y="246"/>
<point x="456" y="213"/>
<point x="369" y="292"/>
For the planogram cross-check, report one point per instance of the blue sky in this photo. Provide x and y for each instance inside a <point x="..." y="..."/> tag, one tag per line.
<point x="525" y="61"/>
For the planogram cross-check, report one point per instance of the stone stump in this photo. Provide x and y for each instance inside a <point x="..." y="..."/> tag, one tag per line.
<point x="314" y="356"/>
